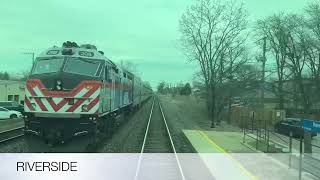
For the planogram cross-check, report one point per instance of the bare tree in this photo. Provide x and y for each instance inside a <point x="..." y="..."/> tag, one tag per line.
<point x="208" y="29"/>
<point x="293" y="43"/>
<point x="130" y="66"/>
<point x="273" y="28"/>
<point x="312" y="46"/>
<point x="228" y="85"/>
<point x="161" y="87"/>
<point x="296" y="51"/>
<point x="313" y="13"/>
<point x="4" y="75"/>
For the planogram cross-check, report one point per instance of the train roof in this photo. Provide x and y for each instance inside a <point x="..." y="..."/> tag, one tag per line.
<point x="72" y="49"/>
<point x="73" y="52"/>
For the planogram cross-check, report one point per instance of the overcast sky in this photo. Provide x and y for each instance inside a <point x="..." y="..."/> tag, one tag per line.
<point x="144" y="32"/>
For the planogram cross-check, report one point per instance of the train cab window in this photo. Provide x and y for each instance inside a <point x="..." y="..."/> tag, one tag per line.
<point x="82" y="67"/>
<point x="107" y="73"/>
<point x="47" y="66"/>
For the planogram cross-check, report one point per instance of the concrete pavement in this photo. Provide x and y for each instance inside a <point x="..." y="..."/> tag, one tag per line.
<point x="227" y="158"/>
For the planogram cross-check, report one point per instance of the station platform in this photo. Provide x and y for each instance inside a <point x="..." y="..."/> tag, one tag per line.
<point x="204" y="145"/>
<point x="227" y="158"/>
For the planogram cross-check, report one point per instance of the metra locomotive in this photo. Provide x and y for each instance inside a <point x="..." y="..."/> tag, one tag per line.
<point x="74" y="90"/>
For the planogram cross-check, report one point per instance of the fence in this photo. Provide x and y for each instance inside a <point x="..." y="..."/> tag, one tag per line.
<point x="240" y="115"/>
<point x="262" y="132"/>
<point x="263" y="136"/>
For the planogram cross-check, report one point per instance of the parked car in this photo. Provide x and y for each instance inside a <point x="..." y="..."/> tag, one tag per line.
<point x="12" y="105"/>
<point x="291" y="124"/>
<point x="6" y="113"/>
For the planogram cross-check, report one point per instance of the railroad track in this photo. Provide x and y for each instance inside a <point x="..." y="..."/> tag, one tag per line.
<point x="11" y="134"/>
<point x="157" y="139"/>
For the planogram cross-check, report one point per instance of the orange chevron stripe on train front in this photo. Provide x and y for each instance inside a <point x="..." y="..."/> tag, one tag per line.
<point x="40" y="99"/>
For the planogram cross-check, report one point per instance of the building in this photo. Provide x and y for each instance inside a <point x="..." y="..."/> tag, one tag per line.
<point x="294" y="99"/>
<point x="251" y="97"/>
<point x="12" y="90"/>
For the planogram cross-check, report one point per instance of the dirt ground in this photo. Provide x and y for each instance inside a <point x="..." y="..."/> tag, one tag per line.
<point x="185" y="112"/>
<point x="194" y="111"/>
<point x="190" y="113"/>
<point x="129" y="134"/>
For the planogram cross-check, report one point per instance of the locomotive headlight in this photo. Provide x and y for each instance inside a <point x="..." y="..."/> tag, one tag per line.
<point x="59" y="82"/>
<point x="84" y="108"/>
<point x="58" y="87"/>
<point x="89" y="86"/>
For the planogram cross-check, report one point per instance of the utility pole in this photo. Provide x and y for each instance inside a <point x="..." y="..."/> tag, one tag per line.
<point x="264" y="59"/>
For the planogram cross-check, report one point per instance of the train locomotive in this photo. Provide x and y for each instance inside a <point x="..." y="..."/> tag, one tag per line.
<point x="75" y="90"/>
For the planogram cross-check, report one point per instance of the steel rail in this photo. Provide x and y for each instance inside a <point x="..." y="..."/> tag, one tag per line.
<point x="147" y="129"/>
<point x="6" y="132"/>
<point x="144" y="141"/>
<point x="171" y="141"/>
<point x="170" y="138"/>
<point x="10" y="130"/>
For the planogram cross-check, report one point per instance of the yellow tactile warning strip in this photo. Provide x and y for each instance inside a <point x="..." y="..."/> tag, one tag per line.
<point x="243" y="169"/>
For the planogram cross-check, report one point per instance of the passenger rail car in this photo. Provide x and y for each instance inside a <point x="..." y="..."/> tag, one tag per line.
<point x="74" y="90"/>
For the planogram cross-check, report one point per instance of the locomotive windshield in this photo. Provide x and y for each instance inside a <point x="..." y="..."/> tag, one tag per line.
<point x="47" y="66"/>
<point x="72" y="65"/>
<point x="83" y="67"/>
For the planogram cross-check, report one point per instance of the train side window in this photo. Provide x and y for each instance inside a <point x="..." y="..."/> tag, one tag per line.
<point x="98" y="73"/>
<point x="107" y="73"/>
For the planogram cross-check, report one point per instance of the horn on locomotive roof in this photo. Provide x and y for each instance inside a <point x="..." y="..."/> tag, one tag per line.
<point x="69" y="44"/>
<point x="101" y="52"/>
<point x="88" y="46"/>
